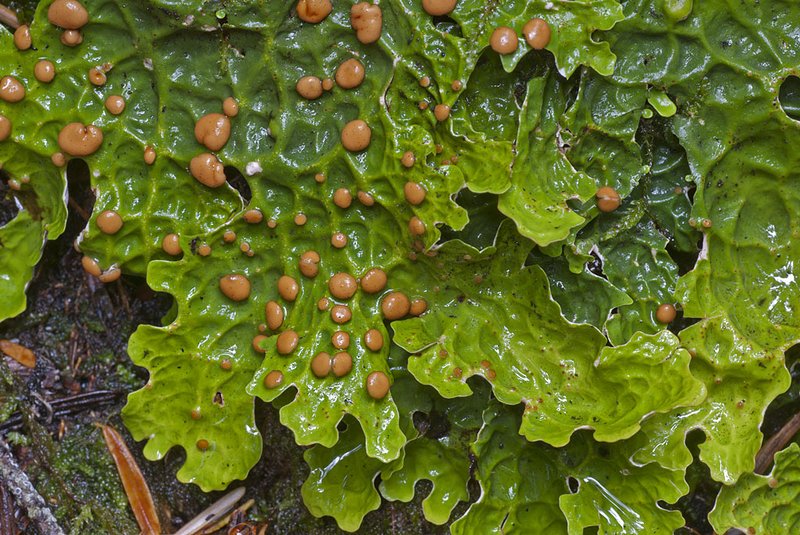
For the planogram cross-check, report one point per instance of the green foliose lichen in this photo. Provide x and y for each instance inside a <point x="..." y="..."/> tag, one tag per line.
<point x="478" y="194"/>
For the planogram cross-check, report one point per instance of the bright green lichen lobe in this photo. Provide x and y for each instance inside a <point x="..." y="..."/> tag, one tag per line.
<point x="476" y="251"/>
<point x="540" y="358"/>
<point x="742" y="380"/>
<point x="763" y="504"/>
<point x="581" y="486"/>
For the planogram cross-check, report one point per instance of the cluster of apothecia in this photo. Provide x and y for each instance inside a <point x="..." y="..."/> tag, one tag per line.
<point x="537" y="34"/>
<point x="213" y="131"/>
<point x="79" y="140"/>
<point x="74" y="139"/>
<point x="366" y="21"/>
<point x="342" y="287"/>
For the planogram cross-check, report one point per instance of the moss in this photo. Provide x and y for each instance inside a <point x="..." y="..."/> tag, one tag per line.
<point x="17" y="439"/>
<point x="79" y="474"/>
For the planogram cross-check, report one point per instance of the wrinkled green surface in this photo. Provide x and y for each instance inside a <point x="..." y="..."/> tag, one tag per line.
<point x="747" y="272"/>
<point x="674" y="104"/>
<point x="21" y="242"/>
<point x="526" y="489"/>
<point x="766" y="504"/>
<point x="183" y="385"/>
<point x="564" y="284"/>
<point x="727" y="84"/>
<point x="435" y="452"/>
<point x="568" y="150"/>
<point x="150" y="208"/>
<point x="741" y="381"/>
<point x="507" y="329"/>
<point x="642" y="266"/>
<point x="431" y="460"/>
<point x="726" y="71"/>
<point x="342" y="482"/>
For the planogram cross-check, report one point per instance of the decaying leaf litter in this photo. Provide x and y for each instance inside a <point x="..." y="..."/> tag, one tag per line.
<point x="598" y="151"/>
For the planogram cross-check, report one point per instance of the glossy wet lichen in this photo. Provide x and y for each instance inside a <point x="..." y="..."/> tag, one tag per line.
<point x="762" y="504"/>
<point x="287" y="172"/>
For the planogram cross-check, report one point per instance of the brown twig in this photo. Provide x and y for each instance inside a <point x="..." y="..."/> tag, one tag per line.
<point x="776" y="443"/>
<point x="73" y="347"/>
<point x="79" y="209"/>
<point x="8" y="17"/>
